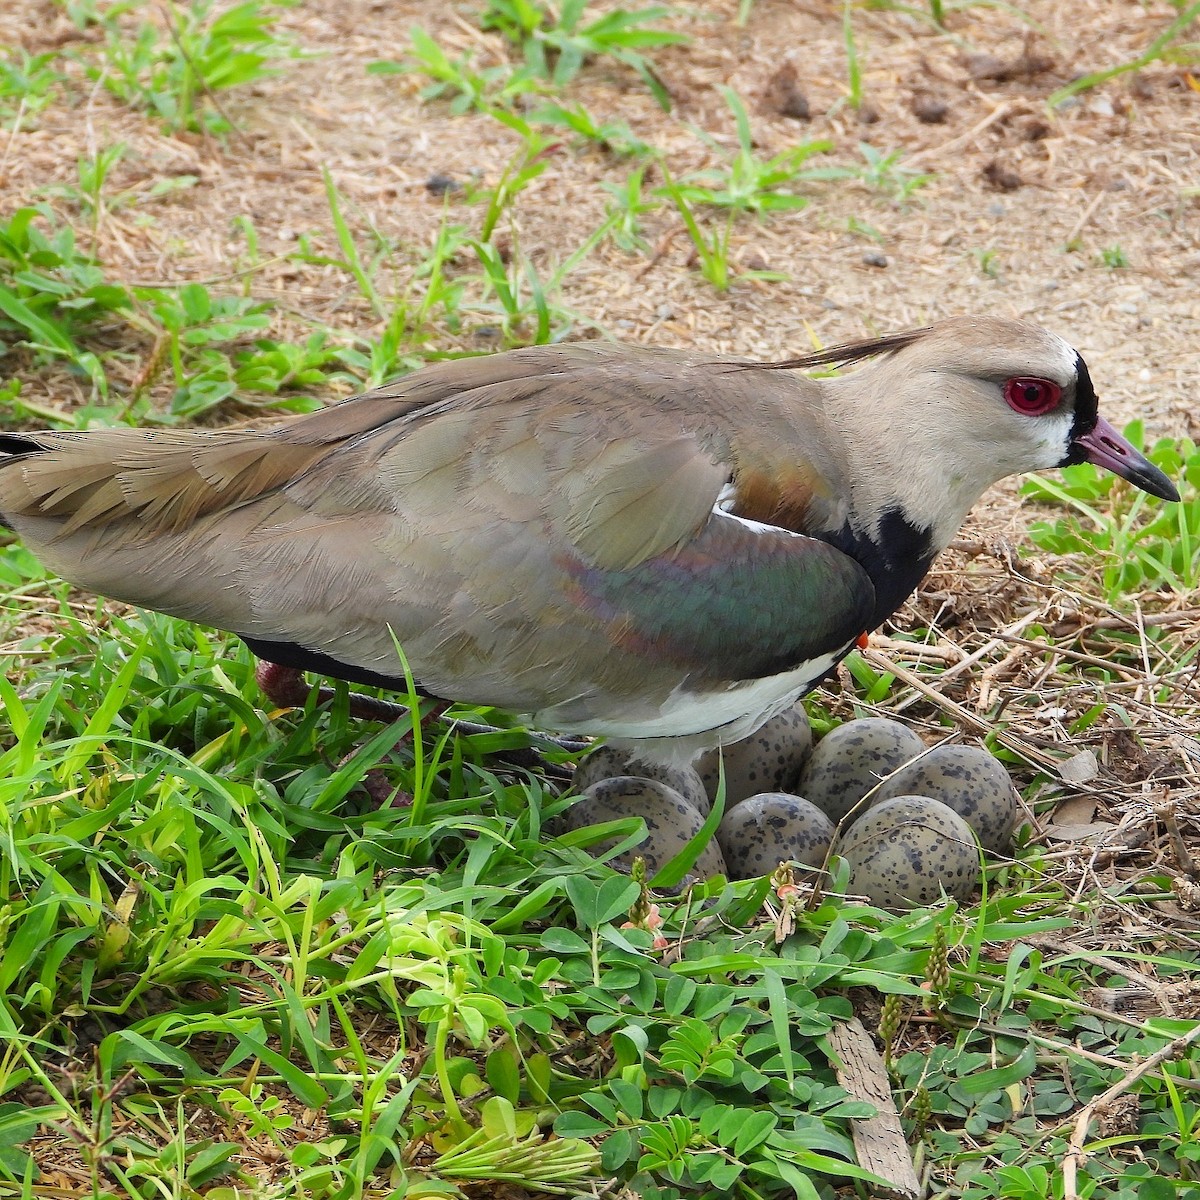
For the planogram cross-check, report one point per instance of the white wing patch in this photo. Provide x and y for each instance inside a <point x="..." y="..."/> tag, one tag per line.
<point x="727" y="498"/>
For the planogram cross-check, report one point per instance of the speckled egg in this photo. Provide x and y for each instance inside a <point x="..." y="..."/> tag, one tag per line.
<point x="905" y="852"/>
<point x="851" y="759"/>
<point x="770" y="828"/>
<point x="607" y="762"/>
<point x="670" y="822"/>
<point x="968" y="780"/>
<point x="769" y="760"/>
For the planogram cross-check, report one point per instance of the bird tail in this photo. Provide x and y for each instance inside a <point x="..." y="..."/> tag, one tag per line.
<point x="13" y="446"/>
<point x="160" y="481"/>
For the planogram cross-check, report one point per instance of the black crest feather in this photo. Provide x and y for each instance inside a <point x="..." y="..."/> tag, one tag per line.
<point x="848" y="352"/>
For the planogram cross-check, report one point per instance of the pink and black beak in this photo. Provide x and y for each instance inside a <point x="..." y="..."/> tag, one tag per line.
<point x="1094" y="440"/>
<point x="1105" y="447"/>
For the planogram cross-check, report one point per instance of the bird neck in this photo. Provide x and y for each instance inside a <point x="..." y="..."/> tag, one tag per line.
<point x="908" y="484"/>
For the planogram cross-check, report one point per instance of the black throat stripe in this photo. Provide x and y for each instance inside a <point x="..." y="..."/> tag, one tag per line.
<point x="1087" y="412"/>
<point x="896" y="562"/>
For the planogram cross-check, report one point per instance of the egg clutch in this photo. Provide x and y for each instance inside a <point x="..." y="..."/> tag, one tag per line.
<point x="909" y="820"/>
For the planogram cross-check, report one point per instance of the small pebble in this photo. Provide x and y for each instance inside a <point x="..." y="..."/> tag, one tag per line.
<point x="783" y="95"/>
<point x="874" y="258"/>
<point x="928" y="109"/>
<point x="985" y="66"/>
<point x="441" y="185"/>
<point x="1140" y="86"/>
<point x="1001" y="176"/>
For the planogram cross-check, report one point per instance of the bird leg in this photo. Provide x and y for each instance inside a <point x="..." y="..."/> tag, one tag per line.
<point x="286" y="687"/>
<point x="283" y="686"/>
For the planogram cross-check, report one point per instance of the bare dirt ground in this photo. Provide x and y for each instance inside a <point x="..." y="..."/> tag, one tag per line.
<point x="1013" y="184"/>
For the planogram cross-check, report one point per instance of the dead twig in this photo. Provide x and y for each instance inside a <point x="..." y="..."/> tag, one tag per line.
<point x="998" y="113"/>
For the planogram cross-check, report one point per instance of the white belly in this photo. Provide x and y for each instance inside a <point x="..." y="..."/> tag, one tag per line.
<point x="692" y="722"/>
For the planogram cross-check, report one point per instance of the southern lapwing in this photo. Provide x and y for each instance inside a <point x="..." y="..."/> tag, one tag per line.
<point x="661" y="547"/>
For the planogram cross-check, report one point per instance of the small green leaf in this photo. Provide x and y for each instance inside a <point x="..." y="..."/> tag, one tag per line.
<point x="678" y="995"/>
<point x="563" y="941"/>
<point x="628" y="1096"/>
<point x="579" y="1125"/>
<point x="997" y="1078"/>
<point x="617" y="1150"/>
<point x="594" y="905"/>
<point x="663" y="1101"/>
<point x="503" y="1074"/>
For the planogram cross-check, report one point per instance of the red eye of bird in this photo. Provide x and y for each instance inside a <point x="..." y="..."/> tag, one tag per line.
<point x="1032" y="396"/>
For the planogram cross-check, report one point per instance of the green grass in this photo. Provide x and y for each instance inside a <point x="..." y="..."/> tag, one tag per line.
<point x="744" y="183"/>
<point x="166" y="841"/>
<point x="457" y="78"/>
<point x="627" y="209"/>
<point x="177" y="73"/>
<point x="28" y="84"/>
<point x="248" y="933"/>
<point x="556" y="42"/>
<point x="1167" y="47"/>
<point x="1114" y="257"/>
<point x="59" y="302"/>
<point x="853" y="64"/>
<point x="613" y="136"/>
<point x="52" y="294"/>
<point x="554" y="45"/>
<point x="711" y="248"/>
<point x="92" y="197"/>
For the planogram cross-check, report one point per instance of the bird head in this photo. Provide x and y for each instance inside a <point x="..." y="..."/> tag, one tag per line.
<point x="943" y="412"/>
<point x="1028" y="401"/>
